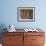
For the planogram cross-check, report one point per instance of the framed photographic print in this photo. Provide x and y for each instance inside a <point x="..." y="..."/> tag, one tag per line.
<point x="26" y="14"/>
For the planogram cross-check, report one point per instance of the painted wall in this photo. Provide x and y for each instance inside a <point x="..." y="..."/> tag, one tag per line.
<point x="8" y="13"/>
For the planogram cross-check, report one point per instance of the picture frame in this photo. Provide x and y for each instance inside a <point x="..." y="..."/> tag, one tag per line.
<point x="26" y="14"/>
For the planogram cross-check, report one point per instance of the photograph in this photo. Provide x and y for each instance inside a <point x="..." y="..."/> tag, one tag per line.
<point x="26" y="14"/>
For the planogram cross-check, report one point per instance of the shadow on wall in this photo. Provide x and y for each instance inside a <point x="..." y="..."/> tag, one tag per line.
<point x="2" y="26"/>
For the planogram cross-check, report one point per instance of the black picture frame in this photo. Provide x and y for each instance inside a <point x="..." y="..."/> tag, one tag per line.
<point x="26" y="14"/>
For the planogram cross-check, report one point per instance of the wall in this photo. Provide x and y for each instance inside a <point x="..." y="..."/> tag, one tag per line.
<point x="8" y="13"/>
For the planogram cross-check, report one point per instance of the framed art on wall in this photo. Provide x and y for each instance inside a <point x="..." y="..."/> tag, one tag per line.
<point x="26" y="14"/>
